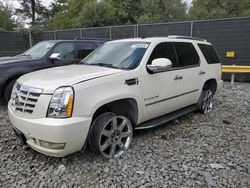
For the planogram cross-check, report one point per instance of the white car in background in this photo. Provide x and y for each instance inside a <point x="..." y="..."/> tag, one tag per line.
<point x="122" y="86"/>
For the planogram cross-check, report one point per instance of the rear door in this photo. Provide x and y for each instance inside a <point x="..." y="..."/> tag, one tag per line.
<point x="188" y="73"/>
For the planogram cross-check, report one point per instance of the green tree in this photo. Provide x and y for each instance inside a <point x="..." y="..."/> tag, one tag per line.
<point x="162" y="11"/>
<point x="33" y="10"/>
<point x="58" y="6"/>
<point x="89" y="13"/>
<point x="6" y="21"/>
<point x="209" y="9"/>
<point x="66" y="18"/>
<point x="125" y="11"/>
<point x="94" y="14"/>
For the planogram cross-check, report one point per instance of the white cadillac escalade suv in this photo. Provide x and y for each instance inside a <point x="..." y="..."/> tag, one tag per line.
<point x="122" y="86"/>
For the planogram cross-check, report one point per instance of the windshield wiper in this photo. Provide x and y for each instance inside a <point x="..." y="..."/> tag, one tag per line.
<point x="105" y="65"/>
<point x="26" y="55"/>
<point x="99" y="64"/>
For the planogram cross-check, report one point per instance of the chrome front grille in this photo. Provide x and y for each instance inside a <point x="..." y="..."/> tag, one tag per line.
<point x="24" y="98"/>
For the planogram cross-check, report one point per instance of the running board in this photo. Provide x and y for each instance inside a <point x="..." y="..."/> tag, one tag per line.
<point x="166" y="118"/>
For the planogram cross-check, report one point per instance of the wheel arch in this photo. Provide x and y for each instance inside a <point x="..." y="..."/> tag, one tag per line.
<point x="211" y="84"/>
<point x="9" y="79"/>
<point x="125" y="106"/>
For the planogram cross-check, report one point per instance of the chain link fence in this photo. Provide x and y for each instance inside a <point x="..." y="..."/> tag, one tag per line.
<point x="231" y="34"/>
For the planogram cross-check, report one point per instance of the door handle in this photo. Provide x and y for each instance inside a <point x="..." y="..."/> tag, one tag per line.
<point x="202" y="72"/>
<point x="178" y="77"/>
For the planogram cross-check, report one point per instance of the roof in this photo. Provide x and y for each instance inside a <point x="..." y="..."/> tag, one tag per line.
<point x="171" y="38"/>
<point x="81" y="40"/>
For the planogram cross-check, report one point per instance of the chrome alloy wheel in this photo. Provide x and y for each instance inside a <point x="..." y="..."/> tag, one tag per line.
<point x="207" y="101"/>
<point x="115" y="137"/>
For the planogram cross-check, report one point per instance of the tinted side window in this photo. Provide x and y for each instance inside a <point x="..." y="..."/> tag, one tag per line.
<point x="209" y="53"/>
<point x="164" y="50"/>
<point x="187" y="54"/>
<point x="66" y="51"/>
<point x="84" y="49"/>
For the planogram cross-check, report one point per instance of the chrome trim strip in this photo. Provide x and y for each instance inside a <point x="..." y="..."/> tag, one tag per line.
<point x="31" y="89"/>
<point x="169" y="98"/>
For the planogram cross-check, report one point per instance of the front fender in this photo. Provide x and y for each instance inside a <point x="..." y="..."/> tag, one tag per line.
<point x="17" y="71"/>
<point x="88" y="100"/>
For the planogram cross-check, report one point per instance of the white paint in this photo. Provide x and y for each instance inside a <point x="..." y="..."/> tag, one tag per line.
<point x="96" y="86"/>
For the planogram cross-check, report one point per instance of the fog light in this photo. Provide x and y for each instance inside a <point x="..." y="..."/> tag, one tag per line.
<point x="51" y="145"/>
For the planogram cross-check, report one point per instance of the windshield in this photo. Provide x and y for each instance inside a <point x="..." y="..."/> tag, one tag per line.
<point x="39" y="50"/>
<point x="121" y="55"/>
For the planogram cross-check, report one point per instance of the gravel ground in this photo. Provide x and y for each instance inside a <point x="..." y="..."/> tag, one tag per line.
<point x="194" y="151"/>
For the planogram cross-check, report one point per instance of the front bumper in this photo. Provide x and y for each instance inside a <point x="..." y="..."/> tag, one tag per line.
<point x="72" y="131"/>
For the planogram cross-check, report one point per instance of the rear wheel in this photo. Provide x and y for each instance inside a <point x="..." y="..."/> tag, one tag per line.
<point x="8" y="90"/>
<point x="205" y="103"/>
<point x="111" y="135"/>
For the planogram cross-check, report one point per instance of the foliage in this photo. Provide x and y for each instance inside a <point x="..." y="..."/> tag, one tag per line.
<point x="58" y="6"/>
<point x="88" y="13"/>
<point x="64" y="14"/>
<point x="209" y="9"/>
<point x="6" y="21"/>
<point x="33" y="10"/>
<point x="162" y="11"/>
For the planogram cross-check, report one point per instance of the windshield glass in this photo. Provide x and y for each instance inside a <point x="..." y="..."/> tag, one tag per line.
<point x="39" y="50"/>
<point x="121" y="55"/>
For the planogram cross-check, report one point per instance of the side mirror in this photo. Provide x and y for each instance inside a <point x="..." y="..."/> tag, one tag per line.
<point x="55" y="56"/>
<point x="160" y="65"/>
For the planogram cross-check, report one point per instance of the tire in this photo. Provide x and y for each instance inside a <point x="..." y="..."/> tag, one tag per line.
<point x="205" y="103"/>
<point x="110" y="135"/>
<point x="8" y="90"/>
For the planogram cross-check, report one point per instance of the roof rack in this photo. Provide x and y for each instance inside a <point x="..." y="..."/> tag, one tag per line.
<point x="79" y="38"/>
<point x="186" y="37"/>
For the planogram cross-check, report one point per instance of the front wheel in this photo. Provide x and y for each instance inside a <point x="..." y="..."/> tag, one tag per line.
<point x="8" y="90"/>
<point x="205" y="103"/>
<point x="111" y="135"/>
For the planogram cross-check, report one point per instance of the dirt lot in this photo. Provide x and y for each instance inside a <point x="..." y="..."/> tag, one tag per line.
<point x="194" y="151"/>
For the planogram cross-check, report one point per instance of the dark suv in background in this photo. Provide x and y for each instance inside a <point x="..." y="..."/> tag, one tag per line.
<point x="43" y="55"/>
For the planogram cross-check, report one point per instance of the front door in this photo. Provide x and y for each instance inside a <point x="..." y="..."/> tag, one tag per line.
<point x="176" y="88"/>
<point x="67" y="55"/>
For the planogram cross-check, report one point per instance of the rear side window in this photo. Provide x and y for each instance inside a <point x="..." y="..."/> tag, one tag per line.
<point x="84" y="49"/>
<point x="187" y="54"/>
<point x="209" y="53"/>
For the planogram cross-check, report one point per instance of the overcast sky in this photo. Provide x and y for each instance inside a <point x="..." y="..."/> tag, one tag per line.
<point x="47" y="2"/>
<point x="44" y="2"/>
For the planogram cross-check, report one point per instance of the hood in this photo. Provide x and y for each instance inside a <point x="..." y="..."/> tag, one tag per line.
<point x="51" y="79"/>
<point x="7" y="60"/>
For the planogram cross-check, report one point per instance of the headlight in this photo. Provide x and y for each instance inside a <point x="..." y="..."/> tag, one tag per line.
<point x="61" y="104"/>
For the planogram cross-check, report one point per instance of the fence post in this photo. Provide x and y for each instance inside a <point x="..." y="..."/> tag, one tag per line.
<point x="137" y="31"/>
<point x="191" y="29"/>
<point x="232" y="77"/>
<point x="110" y="33"/>
<point x="54" y="35"/>
<point x="81" y="33"/>
<point x="30" y="39"/>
